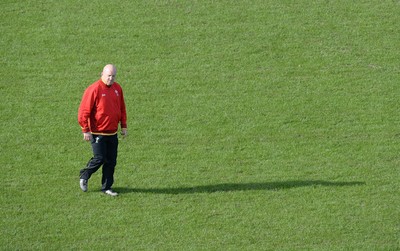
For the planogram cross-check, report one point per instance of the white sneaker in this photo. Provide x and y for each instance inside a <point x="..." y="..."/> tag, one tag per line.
<point x="111" y="192"/>
<point x="84" y="184"/>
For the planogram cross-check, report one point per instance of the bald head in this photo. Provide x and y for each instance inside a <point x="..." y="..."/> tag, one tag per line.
<point x="108" y="74"/>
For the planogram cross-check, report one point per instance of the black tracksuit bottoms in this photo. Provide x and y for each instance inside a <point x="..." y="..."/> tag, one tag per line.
<point x="105" y="150"/>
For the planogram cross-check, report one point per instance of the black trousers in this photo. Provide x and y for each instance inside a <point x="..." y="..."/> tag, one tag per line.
<point x="105" y="150"/>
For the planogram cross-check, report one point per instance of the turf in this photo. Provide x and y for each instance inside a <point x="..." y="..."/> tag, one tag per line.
<point x="253" y="125"/>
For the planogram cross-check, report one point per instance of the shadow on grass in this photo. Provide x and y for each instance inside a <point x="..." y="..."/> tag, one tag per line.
<point x="231" y="187"/>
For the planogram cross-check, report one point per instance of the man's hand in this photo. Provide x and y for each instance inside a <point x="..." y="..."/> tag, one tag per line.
<point x="87" y="136"/>
<point x="124" y="132"/>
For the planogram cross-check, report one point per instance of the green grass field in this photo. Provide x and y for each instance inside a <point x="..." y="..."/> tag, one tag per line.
<point x="254" y="125"/>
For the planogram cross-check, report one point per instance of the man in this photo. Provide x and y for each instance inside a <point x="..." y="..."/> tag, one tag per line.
<point x="101" y="111"/>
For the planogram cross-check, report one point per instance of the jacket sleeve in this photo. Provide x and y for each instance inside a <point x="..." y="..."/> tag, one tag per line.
<point x="85" y="108"/>
<point x="123" y="112"/>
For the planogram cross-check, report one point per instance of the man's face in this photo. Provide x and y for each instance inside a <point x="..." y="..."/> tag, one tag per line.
<point x="108" y="75"/>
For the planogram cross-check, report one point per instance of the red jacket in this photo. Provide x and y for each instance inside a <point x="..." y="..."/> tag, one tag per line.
<point x="102" y="108"/>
